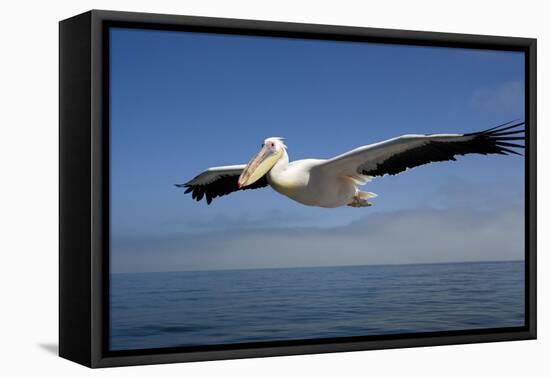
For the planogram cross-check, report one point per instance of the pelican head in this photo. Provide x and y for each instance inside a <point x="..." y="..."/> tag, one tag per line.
<point x="262" y="162"/>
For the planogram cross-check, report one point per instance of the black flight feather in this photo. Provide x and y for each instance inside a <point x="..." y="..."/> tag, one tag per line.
<point x="490" y="141"/>
<point x="223" y="185"/>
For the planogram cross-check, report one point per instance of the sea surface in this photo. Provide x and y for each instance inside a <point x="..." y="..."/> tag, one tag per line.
<point x="156" y="310"/>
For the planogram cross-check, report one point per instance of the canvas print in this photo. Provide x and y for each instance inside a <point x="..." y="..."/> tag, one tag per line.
<point x="268" y="190"/>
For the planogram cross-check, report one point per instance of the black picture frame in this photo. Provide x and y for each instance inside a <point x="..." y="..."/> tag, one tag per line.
<point x="84" y="187"/>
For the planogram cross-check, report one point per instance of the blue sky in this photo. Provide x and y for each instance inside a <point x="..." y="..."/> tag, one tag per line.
<point x="182" y="102"/>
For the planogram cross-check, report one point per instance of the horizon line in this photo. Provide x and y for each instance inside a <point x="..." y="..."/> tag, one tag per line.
<point x="320" y="266"/>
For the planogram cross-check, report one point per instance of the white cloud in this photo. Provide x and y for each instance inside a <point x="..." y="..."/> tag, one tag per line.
<point x="506" y="98"/>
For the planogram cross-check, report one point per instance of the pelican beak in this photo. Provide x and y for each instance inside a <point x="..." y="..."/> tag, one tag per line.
<point x="258" y="166"/>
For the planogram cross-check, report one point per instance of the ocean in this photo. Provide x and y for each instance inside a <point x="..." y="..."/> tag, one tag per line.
<point x="170" y="309"/>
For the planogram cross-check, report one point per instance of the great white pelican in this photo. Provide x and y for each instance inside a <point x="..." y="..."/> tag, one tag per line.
<point x="334" y="182"/>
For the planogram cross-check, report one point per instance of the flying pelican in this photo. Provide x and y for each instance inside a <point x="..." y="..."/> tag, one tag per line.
<point x="334" y="182"/>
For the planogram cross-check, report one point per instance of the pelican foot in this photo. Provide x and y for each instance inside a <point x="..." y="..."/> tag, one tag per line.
<point x="359" y="202"/>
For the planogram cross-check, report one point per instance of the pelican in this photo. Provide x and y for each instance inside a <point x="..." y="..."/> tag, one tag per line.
<point x="334" y="182"/>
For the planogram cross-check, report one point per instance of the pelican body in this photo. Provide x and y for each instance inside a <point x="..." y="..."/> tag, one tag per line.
<point x="300" y="182"/>
<point x="335" y="182"/>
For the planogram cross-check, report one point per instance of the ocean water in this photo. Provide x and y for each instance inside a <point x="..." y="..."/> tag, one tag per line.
<point x="156" y="310"/>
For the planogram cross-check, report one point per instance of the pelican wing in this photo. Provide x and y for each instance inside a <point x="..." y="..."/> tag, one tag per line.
<point x="217" y="182"/>
<point x="396" y="155"/>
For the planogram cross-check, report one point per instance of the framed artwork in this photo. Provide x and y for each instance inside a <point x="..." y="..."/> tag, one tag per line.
<point x="235" y="188"/>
